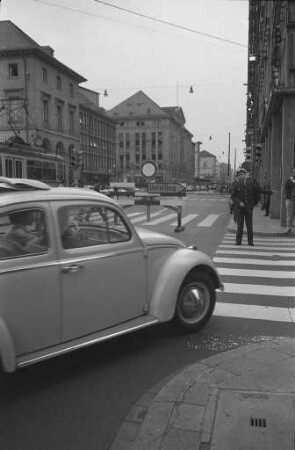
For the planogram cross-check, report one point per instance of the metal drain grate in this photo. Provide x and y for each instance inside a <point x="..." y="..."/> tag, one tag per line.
<point x="258" y="422"/>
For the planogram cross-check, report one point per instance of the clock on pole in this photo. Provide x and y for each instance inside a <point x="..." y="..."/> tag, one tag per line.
<point x="149" y="169"/>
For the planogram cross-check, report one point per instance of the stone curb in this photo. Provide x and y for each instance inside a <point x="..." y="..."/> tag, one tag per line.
<point x="180" y="411"/>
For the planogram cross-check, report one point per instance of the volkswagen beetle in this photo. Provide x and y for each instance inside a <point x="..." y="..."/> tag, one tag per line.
<point x="74" y="272"/>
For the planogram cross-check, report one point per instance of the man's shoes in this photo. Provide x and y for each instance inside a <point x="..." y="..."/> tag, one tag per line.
<point x="251" y="244"/>
<point x="238" y="243"/>
<point x="287" y="231"/>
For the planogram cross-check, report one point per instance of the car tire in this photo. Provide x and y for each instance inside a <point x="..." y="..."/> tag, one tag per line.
<point x="193" y="311"/>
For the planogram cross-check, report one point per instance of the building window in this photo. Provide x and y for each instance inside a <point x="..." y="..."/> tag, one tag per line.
<point x="44" y="75"/>
<point x="137" y="142"/>
<point x="127" y="140"/>
<point x="58" y="82"/>
<point x="72" y="122"/>
<point x="13" y="70"/>
<point x="153" y="140"/>
<point x="121" y="142"/>
<point x="15" y="110"/>
<point x="71" y="89"/>
<point x="160" y="139"/>
<point x="59" y="118"/>
<point x="45" y="113"/>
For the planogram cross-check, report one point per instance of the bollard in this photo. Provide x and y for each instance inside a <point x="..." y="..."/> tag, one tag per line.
<point x="148" y="213"/>
<point x="179" y="214"/>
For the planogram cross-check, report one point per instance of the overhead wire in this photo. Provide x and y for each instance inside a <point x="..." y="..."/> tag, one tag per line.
<point x="155" y="19"/>
<point x="191" y="30"/>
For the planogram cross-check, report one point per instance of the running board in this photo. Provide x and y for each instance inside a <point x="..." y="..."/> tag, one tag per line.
<point x="66" y="347"/>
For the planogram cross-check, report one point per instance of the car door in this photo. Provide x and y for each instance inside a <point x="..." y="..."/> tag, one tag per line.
<point x="102" y="268"/>
<point x="29" y="277"/>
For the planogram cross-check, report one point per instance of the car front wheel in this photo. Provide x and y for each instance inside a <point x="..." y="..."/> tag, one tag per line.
<point x="195" y="303"/>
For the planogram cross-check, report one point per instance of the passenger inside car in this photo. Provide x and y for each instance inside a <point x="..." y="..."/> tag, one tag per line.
<point x="20" y="238"/>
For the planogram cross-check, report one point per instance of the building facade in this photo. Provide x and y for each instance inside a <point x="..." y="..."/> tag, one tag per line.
<point x="97" y="140"/>
<point x="207" y="166"/>
<point x="39" y="94"/>
<point x="270" y="132"/>
<point x="145" y="131"/>
<point x="43" y="104"/>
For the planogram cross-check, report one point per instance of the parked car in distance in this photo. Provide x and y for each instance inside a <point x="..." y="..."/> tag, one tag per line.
<point x="74" y="271"/>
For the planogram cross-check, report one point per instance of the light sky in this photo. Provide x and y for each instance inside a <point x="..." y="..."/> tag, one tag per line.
<point x="123" y="53"/>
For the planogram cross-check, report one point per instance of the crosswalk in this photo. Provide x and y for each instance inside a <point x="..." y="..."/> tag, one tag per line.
<point x="165" y="216"/>
<point x="208" y="199"/>
<point x="259" y="281"/>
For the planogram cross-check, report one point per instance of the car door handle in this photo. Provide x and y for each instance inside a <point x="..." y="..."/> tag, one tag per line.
<point x="71" y="268"/>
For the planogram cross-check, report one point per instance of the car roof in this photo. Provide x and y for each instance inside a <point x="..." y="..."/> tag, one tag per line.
<point x="14" y="190"/>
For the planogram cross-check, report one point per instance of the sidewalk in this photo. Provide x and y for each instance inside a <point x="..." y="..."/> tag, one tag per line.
<point x="262" y="225"/>
<point x="242" y="399"/>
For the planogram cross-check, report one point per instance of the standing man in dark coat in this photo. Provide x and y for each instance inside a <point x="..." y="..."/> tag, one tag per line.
<point x="245" y="195"/>
<point x="289" y="190"/>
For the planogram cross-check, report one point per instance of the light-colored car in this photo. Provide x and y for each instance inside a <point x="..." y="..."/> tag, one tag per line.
<point x="74" y="271"/>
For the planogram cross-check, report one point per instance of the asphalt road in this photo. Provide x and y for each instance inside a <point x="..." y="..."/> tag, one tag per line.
<point x="79" y="401"/>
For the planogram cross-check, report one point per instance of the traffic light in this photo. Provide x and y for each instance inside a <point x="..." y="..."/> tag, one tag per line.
<point x="73" y="158"/>
<point x="79" y="159"/>
<point x="248" y="153"/>
<point x="258" y="153"/>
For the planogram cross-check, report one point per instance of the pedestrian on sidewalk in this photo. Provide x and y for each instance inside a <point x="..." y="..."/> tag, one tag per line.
<point x="289" y="190"/>
<point x="245" y="195"/>
<point x="266" y="196"/>
<point x="232" y="204"/>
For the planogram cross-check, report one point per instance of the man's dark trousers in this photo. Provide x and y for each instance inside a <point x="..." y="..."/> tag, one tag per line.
<point x="247" y="215"/>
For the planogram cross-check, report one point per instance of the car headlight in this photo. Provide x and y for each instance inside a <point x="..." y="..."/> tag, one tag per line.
<point x="193" y="247"/>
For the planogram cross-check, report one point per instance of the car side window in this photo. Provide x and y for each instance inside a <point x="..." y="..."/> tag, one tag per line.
<point x="89" y="225"/>
<point x="23" y="233"/>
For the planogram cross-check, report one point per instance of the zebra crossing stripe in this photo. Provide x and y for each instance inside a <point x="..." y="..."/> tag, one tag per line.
<point x="250" y="261"/>
<point x="143" y="217"/>
<point x="137" y="217"/>
<point x="161" y="219"/>
<point x="261" y="247"/>
<point x="258" y="289"/>
<point x="210" y="219"/>
<point x="253" y="253"/>
<point x="232" y="237"/>
<point x="256" y="312"/>
<point x="257" y="273"/>
<point x="185" y="219"/>
<point x="134" y="214"/>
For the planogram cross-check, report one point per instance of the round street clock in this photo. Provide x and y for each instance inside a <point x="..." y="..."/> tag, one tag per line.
<point x="148" y="169"/>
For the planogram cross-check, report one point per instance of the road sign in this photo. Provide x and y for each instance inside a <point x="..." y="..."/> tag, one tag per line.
<point x="147" y="199"/>
<point x="149" y="169"/>
<point x="167" y="188"/>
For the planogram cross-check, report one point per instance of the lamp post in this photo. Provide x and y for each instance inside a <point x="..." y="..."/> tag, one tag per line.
<point x="228" y="159"/>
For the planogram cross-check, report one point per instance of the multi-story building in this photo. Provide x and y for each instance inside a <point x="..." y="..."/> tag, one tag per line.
<point x="207" y="166"/>
<point x="197" y="162"/>
<point x="97" y="140"/>
<point x="39" y="94"/>
<point x="270" y="137"/>
<point x="146" y="131"/>
<point x="43" y="105"/>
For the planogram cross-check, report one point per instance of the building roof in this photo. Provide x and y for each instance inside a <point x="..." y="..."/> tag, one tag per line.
<point x="15" y="42"/>
<point x="205" y="154"/>
<point x="141" y="105"/>
<point x="176" y="112"/>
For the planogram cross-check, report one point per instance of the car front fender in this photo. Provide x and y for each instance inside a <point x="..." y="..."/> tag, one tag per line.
<point x="7" y="353"/>
<point x="173" y="273"/>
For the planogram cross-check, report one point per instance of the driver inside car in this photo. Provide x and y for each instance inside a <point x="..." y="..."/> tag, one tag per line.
<point x="23" y="239"/>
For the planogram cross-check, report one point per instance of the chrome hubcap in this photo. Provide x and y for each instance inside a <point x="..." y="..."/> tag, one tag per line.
<point x="195" y="303"/>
